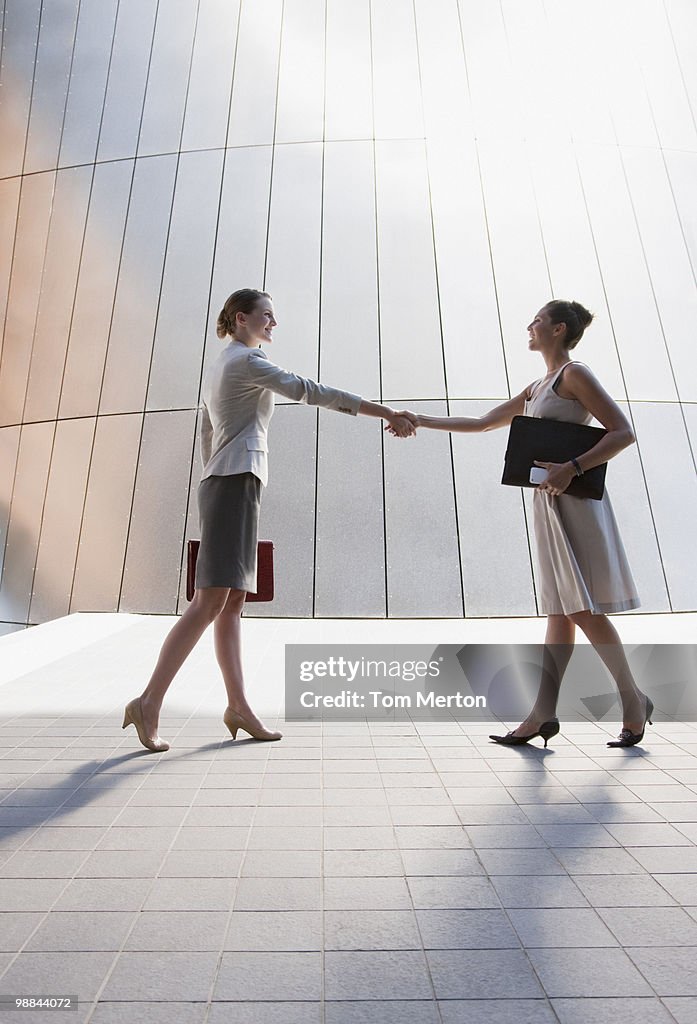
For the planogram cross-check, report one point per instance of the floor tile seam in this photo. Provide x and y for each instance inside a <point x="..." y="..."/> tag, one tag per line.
<point x="210" y="1000"/>
<point x="156" y="876"/>
<point x="68" y="880"/>
<point x="566" y="874"/>
<point x="400" y="852"/>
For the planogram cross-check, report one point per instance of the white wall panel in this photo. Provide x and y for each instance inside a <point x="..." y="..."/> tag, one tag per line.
<point x="350" y="353"/>
<point x="682" y="171"/>
<point x="288" y="511"/>
<point x="682" y="18"/>
<point x="240" y="248"/>
<point x="9" y="208"/>
<point x="519" y="260"/>
<point x="123" y="107"/>
<point x="536" y="61"/>
<point x="672" y="277"/>
<point x="99" y="566"/>
<point x="442" y="168"/>
<point x="423" y="563"/>
<point x="622" y="81"/>
<point x="474" y="358"/>
<point x="96" y="288"/>
<point x="20" y="38"/>
<point x="444" y="86"/>
<point x="657" y="52"/>
<point x="350" y="549"/>
<point x="140" y="276"/>
<point x="168" y="77"/>
<point x="62" y="518"/>
<point x="63" y="251"/>
<point x="25" y="283"/>
<point x="630" y="500"/>
<point x="212" y="66"/>
<point x="581" y="69"/>
<point x="672" y="484"/>
<point x="396" y="97"/>
<point x="181" y="323"/>
<point x="349" y="77"/>
<point x="293" y="258"/>
<point x="690" y="414"/>
<point x="9" y="449"/>
<point x="88" y="77"/>
<point x="192" y="530"/>
<point x="156" y="535"/>
<point x="51" y="76"/>
<point x="495" y="102"/>
<point x="412" y="351"/>
<point x="495" y="551"/>
<point x="571" y="256"/>
<point x="300" y="113"/>
<point x="25" y="521"/>
<point x="254" y="87"/>
<point x="637" y="328"/>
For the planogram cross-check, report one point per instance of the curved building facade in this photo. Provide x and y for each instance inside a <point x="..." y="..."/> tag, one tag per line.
<point x="411" y="180"/>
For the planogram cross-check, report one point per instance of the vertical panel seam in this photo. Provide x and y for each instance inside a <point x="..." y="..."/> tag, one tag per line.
<point x="440" y="318"/>
<point x="377" y="297"/>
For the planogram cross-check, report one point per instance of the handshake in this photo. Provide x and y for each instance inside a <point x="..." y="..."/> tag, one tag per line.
<point x="403" y="423"/>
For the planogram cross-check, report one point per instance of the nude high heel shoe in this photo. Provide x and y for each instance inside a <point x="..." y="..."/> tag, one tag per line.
<point x="133" y="715"/>
<point x="235" y="721"/>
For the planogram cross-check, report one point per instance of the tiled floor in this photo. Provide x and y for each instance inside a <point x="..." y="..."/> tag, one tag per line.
<point x="350" y="874"/>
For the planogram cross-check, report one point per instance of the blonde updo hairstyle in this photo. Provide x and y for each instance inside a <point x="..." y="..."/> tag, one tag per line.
<point x="243" y="300"/>
<point x="575" y="316"/>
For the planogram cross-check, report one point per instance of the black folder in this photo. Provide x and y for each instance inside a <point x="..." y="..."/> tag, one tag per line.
<point x="532" y="438"/>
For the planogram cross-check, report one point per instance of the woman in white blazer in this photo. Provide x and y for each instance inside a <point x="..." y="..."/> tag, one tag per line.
<point x="238" y="402"/>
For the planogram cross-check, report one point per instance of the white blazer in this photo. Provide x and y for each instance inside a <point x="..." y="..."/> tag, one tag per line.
<point x="238" y="403"/>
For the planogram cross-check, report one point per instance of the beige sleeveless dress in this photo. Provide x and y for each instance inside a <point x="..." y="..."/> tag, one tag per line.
<point x="582" y="565"/>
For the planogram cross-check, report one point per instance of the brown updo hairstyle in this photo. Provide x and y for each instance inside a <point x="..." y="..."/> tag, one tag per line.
<point x="573" y="314"/>
<point x="242" y="301"/>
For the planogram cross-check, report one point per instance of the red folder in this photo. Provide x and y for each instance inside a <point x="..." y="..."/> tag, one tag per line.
<point x="264" y="591"/>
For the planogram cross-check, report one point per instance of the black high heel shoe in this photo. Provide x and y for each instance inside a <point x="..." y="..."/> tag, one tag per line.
<point x="546" y="731"/>
<point x="627" y="738"/>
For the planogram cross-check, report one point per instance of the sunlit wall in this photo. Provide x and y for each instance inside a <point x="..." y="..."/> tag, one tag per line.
<point x="411" y="180"/>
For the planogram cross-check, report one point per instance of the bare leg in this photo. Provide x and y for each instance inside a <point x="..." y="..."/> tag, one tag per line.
<point x="559" y="645"/>
<point x="605" y="639"/>
<point x="227" y="637"/>
<point x="178" y="645"/>
<point x="228" y="651"/>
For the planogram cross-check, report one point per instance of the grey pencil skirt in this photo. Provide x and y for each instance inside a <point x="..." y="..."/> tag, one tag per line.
<point x="228" y="510"/>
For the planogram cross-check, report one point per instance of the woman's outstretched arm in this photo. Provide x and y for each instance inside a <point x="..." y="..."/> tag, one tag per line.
<point x="500" y="416"/>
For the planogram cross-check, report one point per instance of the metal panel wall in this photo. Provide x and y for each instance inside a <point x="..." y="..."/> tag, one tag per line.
<point x="54" y="314"/>
<point x="62" y="518"/>
<point x="212" y="65"/>
<point x="25" y="285"/>
<point x="20" y="39"/>
<point x="51" y="78"/>
<point x="95" y="289"/>
<point x="423" y="562"/>
<point x="96" y="584"/>
<point x="88" y="78"/>
<point x="151" y="574"/>
<point x="405" y="182"/>
<point x="24" y="525"/>
<point x="494" y="541"/>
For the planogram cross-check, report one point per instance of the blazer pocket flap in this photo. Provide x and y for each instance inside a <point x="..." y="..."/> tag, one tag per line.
<point x="256" y="444"/>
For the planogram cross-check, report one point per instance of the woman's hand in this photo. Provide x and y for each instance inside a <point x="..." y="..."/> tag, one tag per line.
<point x="559" y="476"/>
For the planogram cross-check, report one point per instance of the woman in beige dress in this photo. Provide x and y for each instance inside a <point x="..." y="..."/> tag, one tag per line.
<point x="583" y="570"/>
